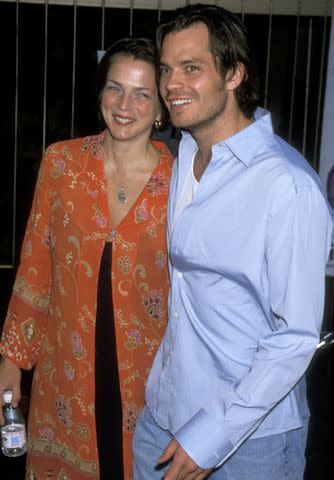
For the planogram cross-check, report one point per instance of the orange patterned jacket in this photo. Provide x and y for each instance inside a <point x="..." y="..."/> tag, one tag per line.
<point x="51" y="316"/>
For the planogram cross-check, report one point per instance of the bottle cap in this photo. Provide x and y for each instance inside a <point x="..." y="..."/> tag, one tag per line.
<point x="7" y="396"/>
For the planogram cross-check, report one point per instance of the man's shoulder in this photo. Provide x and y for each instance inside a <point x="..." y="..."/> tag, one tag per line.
<point x="283" y="161"/>
<point x="276" y="155"/>
<point x="296" y="165"/>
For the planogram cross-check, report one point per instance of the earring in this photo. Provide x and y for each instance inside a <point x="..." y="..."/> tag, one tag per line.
<point x="157" y="124"/>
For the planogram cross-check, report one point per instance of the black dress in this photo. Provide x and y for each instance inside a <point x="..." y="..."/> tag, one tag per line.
<point x="108" y="403"/>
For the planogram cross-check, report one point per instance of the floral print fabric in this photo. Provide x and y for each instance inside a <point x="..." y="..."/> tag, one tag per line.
<point x="51" y="316"/>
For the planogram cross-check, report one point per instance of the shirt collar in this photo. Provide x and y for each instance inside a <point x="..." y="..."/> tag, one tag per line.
<point x="245" y="144"/>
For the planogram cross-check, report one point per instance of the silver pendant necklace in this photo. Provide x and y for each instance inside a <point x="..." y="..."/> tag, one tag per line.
<point x="122" y="195"/>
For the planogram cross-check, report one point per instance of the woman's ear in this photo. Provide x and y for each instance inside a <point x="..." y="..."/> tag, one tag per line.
<point x="158" y="120"/>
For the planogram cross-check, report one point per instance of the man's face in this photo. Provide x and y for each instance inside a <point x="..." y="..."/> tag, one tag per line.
<point x="193" y="90"/>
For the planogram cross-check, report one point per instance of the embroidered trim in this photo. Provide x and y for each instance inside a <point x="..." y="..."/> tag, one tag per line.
<point x="23" y="290"/>
<point x="67" y="455"/>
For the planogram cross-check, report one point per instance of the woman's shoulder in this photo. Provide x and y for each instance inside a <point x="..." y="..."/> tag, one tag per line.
<point x="72" y="156"/>
<point x="64" y="147"/>
<point x="166" y="156"/>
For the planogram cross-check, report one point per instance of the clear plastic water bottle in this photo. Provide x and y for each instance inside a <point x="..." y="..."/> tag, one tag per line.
<point x="13" y="432"/>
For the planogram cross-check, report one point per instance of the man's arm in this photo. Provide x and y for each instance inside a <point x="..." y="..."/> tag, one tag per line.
<point x="297" y="247"/>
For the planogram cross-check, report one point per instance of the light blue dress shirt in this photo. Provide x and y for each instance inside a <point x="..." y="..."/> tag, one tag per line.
<point x="247" y="268"/>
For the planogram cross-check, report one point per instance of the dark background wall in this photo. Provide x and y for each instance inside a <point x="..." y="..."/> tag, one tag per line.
<point x="39" y="123"/>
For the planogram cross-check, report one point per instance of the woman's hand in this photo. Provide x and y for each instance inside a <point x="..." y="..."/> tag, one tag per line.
<point x="10" y="379"/>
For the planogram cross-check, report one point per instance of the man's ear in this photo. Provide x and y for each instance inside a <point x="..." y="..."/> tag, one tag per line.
<point x="235" y="77"/>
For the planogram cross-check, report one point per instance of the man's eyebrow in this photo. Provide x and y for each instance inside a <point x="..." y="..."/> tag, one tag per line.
<point x="191" y="60"/>
<point x="187" y="61"/>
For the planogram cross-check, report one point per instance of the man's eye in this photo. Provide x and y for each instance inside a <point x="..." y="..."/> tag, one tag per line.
<point x="192" y="68"/>
<point x="164" y="70"/>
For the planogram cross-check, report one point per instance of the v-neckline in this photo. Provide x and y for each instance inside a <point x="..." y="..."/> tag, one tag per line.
<point x="135" y="203"/>
<point x="125" y="219"/>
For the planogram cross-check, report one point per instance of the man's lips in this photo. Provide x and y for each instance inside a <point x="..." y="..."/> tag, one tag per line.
<point x="175" y="102"/>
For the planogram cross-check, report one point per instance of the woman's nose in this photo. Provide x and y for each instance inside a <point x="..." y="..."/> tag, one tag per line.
<point x="125" y="101"/>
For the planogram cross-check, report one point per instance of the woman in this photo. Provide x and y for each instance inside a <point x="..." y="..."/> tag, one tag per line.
<point x="88" y="308"/>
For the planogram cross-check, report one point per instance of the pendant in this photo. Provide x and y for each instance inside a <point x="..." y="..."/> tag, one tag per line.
<point x="122" y="195"/>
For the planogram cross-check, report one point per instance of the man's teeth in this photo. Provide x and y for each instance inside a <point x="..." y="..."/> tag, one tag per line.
<point x="182" y="101"/>
<point x="122" y="120"/>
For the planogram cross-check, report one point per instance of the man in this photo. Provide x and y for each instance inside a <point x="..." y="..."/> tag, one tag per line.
<point x="249" y="233"/>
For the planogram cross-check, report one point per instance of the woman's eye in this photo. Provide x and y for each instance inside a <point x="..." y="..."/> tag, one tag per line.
<point x="143" y="95"/>
<point x="112" y="87"/>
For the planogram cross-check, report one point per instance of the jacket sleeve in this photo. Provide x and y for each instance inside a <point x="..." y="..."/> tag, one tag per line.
<point x="27" y="315"/>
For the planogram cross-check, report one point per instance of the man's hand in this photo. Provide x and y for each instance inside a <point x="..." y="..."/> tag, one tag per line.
<point x="10" y="379"/>
<point x="182" y="466"/>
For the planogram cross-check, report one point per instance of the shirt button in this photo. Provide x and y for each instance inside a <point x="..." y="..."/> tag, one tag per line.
<point x="179" y="274"/>
<point x="175" y="314"/>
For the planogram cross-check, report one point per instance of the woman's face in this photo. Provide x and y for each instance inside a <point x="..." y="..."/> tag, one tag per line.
<point x="129" y="101"/>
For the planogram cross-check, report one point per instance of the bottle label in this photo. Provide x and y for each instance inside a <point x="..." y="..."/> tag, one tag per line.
<point x="15" y="437"/>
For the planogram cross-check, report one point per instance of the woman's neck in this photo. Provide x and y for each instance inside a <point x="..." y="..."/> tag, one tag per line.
<point x="128" y="155"/>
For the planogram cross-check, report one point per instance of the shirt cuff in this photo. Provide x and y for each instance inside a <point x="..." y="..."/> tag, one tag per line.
<point x="203" y="440"/>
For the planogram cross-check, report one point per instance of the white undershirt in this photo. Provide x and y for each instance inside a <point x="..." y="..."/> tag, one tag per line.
<point x="189" y="188"/>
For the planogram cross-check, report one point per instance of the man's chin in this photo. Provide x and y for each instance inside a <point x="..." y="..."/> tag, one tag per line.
<point x="179" y="124"/>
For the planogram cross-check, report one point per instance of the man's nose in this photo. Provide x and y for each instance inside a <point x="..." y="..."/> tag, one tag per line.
<point x="173" y="80"/>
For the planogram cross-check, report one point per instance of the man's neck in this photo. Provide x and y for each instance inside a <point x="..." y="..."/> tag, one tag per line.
<point x="218" y="133"/>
